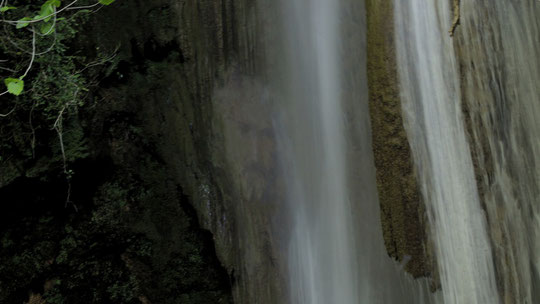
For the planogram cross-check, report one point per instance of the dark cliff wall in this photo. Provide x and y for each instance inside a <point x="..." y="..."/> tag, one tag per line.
<point x="144" y="202"/>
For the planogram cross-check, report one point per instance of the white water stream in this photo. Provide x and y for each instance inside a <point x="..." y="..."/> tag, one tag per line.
<point x="322" y="247"/>
<point x="335" y="250"/>
<point x="431" y="102"/>
<point x="496" y="49"/>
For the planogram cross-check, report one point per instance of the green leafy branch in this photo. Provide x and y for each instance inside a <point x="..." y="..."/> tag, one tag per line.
<point x="46" y="19"/>
<point x="48" y="76"/>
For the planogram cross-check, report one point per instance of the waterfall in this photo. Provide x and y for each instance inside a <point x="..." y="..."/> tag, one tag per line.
<point x="334" y="247"/>
<point x="431" y="103"/>
<point x="299" y="141"/>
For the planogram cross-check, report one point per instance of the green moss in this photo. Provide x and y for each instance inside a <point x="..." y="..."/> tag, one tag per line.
<point x="402" y="213"/>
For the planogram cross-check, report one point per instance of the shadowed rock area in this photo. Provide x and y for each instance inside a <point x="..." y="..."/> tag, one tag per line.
<point x="145" y="217"/>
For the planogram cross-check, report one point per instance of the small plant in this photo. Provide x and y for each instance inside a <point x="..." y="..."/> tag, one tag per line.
<point x="42" y="81"/>
<point x="43" y="23"/>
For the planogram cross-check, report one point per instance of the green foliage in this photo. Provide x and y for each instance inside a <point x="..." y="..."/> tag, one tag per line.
<point x="46" y="21"/>
<point x="106" y="2"/>
<point x="22" y="22"/>
<point x="47" y="28"/>
<point x="42" y="132"/>
<point x="14" y="85"/>
<point x="47" y="10"/>
<point x="6" y="8"/>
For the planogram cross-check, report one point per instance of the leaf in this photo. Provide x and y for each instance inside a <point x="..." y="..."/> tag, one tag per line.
<point x="6" y="8"/>
<point x="14" y="85"/>
<point x="53" y="2"/>
<point x="47" y="28"/>
<point x="46" y="11"/>
<point x="21" y="23"/>
<point x="106" y="2"/>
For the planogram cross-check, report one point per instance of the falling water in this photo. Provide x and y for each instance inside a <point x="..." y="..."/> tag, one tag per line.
<point x="470" y="105"/>
<point x="431" y="97"/>
<point x="335" y="251"/>
<point x="322" y="247"/>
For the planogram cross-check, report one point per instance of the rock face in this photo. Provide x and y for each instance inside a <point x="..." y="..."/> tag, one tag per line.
<point x="147" y="204"/>
<point x="499" y="99"/>
<point x="402" y="212"/>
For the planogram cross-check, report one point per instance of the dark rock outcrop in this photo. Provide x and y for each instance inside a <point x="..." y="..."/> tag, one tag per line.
<point x="145" y="213"/>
